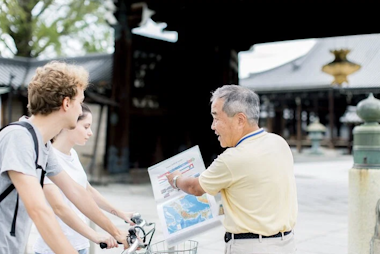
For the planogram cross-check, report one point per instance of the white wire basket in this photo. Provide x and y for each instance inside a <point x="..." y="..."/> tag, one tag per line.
<point x="187" y="247"/>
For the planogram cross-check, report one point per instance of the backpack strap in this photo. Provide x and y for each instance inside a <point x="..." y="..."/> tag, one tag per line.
<point x="30" y="128"/>
<point x="10" y="188"/>
<point x="6" y="192"/>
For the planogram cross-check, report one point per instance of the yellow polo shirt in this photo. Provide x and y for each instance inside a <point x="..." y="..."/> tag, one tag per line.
<point x="257" y="184"/>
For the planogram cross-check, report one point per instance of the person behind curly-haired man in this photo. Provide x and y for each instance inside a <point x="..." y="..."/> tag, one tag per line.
<point x="55" y="95"/>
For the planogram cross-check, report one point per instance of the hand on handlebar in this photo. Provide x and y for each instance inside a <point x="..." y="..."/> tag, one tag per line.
<point x="106" y="241"/>
<point x="139" y="242"/>
<point x="126" y="216"/>
<point x="135" y="238"/>
<point x="122" y="239"/>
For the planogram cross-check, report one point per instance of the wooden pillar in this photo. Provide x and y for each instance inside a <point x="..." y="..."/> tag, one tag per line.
<point x="269" y="124"/>
<point x="350" y="137"/>
<point x="299" y="124"/>
<point x="118" y="129"/>
<point x="316" y="105"/>
<point x="283" y="121"/>
<point x="284" y="106"/>
<point x="331" y="118"/>
<point x="278" y="125"/>
<point x="293" y="129"/>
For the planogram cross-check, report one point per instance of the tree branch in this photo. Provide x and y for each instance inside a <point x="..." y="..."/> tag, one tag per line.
<point x="6" y="44"/>
<point x="38" y="52"/>
<point x="6" y="4"/>
<point x="46" y="5"/>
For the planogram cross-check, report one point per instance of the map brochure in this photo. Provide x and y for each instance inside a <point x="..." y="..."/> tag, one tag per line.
<point x="182" y="216"/>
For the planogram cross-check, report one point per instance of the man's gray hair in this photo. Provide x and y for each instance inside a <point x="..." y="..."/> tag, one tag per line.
<point x="238" y="99"/>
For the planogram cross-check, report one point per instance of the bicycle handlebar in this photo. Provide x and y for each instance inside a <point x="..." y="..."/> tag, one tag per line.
<point x="104" y="245"/>
<point x="132" y="238"/>
<point x="132" y="247"/>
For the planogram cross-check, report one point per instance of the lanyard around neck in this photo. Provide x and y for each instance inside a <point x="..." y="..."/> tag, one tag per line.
<point x="251" y="135"/>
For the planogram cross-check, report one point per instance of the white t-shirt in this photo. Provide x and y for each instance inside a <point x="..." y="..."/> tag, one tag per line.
<point x="71" y="164"/>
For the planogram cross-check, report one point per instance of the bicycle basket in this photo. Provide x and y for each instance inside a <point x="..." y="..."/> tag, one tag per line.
<point x="187" y="247"/>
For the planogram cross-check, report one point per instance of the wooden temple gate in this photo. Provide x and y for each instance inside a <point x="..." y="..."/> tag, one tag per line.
<point x="165" y="109"/>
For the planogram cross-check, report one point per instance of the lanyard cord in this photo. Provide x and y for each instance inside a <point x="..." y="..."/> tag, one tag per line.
<point x="253" y="134"/>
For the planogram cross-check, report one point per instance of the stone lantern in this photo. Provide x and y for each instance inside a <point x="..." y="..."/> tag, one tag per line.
<point x="364" y="179"/>
<point x="367" y="136"/>
<point x="316" y="131"/>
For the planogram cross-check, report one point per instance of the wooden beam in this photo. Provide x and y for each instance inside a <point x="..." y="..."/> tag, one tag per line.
<point x="331" y="118"/>
<point x="299" y="126"/>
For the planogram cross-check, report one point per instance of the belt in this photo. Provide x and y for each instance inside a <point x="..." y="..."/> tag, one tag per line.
<point x="228" y="235"/>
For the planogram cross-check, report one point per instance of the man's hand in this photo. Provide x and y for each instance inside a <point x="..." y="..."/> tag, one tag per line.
<point x="190" y="185"/>
<point x="171" y="176"/>
<point x="122" y="238"/>
<point x="109" y="240"/>
<point x="126" y="216"/>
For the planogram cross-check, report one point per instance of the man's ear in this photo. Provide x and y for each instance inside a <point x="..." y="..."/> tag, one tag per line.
<point x="242" y="119"/>
<point x="66" y="103"/>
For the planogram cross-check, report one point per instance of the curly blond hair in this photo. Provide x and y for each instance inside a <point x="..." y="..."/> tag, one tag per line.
<point x="52" y="83"/>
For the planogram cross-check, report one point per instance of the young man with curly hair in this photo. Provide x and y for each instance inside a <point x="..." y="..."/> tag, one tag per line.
<point x="55" y="95"/>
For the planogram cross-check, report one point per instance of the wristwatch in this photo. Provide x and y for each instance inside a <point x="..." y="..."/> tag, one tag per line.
<point x="175" y="182"/>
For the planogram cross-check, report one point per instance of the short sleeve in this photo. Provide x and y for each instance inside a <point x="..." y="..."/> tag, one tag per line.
<point x="47" y="181"/>
<point x="17" y="152"/>
<point x="216" y="177"/>
<point x="53" y="167"/>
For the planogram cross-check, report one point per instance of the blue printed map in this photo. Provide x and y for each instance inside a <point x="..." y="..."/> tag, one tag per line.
<point x="186" y="211"/>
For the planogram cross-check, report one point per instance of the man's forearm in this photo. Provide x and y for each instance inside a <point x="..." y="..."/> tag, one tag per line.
<point x="40" y="213"/>
<point x="71" y="219"/>
<point x="190" y="185"/>
<point x="67" y="215"/>
<point x="84" y="202"/>
<point x="48" y="227"/>
<point x="79" y="196"/>
<point x="102" y="202"/>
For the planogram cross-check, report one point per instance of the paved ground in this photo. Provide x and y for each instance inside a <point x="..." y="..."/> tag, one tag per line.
<point x="322" y="184"/>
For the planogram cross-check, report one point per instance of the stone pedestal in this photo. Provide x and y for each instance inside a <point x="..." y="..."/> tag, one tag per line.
<point x="364" y="181"/>
<point x="375" y="246"/>
<point x="364" y="192"/>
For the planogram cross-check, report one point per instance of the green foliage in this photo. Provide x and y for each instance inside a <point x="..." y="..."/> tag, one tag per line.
<point x="32" y="28"/>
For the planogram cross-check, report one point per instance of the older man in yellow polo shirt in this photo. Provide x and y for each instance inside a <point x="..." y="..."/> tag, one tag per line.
<point x="254" y="176"/>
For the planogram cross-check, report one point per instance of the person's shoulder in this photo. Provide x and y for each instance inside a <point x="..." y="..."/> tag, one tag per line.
<point x="278" y="141"/>
<point x="16" y="140"/>
<point x="228" y="153"/>
<point x="275" y="136"/>
<point x="74" y="153"/>
<point x="14" y="132"/>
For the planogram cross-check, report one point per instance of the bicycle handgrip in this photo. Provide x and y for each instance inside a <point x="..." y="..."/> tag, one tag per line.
<point x="104" y="245"/>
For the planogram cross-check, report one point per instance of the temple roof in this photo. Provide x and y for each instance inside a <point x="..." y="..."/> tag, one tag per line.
<point x="305" y="73"/>
<point x="23" y="69"/>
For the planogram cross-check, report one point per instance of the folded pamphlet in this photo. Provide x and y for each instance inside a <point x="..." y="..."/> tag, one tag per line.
<point x="182" y="215"/>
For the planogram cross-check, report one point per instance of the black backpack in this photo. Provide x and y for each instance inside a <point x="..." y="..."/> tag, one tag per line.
<point x="11" y="187"/>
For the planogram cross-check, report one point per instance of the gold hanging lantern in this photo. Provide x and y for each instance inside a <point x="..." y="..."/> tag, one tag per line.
<point x="340" y="68"/>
